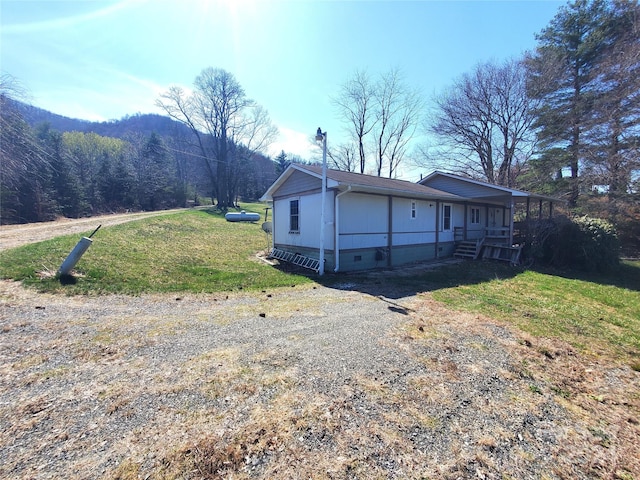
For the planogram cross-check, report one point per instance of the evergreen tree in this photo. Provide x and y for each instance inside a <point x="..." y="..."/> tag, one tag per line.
<point x="281" y="163"/>
<point x="614" y="133"/>
<point x="64" y="187"/>
<point x="561" y="76"/>
<point x="154" y="173"/>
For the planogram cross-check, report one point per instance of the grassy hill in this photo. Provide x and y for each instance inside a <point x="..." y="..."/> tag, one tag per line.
<point x="191" y="251"/>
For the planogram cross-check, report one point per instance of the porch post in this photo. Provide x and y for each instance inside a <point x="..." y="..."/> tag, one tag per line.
<point x="464" y="232"/>
<point x="540" y="210"/>
<point x="437" y="228"/>
<point x="511" y="214"/>
<point x="390" y="233"/>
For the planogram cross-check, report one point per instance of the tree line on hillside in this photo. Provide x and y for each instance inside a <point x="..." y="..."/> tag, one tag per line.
<point x="47" y="173"/>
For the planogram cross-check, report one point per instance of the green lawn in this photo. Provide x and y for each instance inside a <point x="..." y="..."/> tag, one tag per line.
<point x="190" y="251"/>
<point x="198" y="251"/>
<point x="594" y="314"/>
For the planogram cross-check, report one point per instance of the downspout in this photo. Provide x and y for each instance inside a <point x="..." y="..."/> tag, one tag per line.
<point x="273" y="222"/>
<point x="336" y="228"/>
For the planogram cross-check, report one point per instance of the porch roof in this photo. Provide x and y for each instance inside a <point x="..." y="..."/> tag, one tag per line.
<point x="482" y="191"/>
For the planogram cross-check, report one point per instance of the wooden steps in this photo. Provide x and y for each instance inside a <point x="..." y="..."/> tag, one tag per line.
<point x="502" y="252"/>
<point x="468" y="249"/>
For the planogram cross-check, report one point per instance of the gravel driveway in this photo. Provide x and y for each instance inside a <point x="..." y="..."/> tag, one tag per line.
<point x="16" y="235"/>
<point x="301" y="382"/>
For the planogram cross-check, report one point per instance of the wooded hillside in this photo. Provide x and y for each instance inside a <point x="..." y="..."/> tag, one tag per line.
<point x="58" y="166"/>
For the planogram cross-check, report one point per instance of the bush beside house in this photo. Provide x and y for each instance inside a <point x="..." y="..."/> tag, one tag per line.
<point x="583" y="243"/>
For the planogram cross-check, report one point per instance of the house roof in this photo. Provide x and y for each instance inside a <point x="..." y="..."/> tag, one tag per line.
<point x="357" y="182"/>
<point x="436" y="186"/>
<point x="484" y="190"/>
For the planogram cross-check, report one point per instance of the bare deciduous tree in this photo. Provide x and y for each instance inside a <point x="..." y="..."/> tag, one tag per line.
<point x="387" y="110"/>
<point x="15" y="144"/>
<point x="398" y="111"/>
<point x="355" y="105"/>
<point x="24" y="165"/>
<point x="227" y="126"/>
<point x="344" y="157"/>
<point x="484" y="123"/>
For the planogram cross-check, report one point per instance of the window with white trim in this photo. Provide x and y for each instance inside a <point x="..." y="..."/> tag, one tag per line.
<point x="294" y="216"/>
<point x="446" y="217"/>
<point x="414" y="211"/>
<point x="475" y="216"/>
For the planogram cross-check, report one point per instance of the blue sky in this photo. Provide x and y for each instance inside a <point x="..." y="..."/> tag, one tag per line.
<point x="101" y="60"/>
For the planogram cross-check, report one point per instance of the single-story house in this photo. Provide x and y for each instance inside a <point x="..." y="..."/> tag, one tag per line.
<point x="374" y="222"/>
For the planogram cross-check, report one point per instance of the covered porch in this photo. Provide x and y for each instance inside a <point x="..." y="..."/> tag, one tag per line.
<point x="522" y="213"/>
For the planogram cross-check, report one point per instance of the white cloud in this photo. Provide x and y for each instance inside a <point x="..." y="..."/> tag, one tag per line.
<point x="294" y="143"/>
<point x="70" y="21"/>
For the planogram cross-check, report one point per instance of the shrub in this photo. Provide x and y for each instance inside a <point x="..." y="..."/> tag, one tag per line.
<point x="584" y="243"/>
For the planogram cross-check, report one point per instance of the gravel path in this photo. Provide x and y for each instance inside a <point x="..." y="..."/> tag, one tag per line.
<point x="302" y="382"/>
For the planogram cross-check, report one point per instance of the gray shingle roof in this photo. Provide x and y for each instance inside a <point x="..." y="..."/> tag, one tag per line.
<point x="364" y="182"/>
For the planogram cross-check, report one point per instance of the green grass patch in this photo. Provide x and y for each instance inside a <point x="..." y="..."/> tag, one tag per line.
<point x="191" y="251"/>
<point x="199" y="251"/>
<point x="596" y="314"/>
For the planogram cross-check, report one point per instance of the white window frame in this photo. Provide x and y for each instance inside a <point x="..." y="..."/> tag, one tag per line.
<point x="296" y="215"/>
<point x="444" y="217"/>
<point x="475" y="215"/>
<point x="413" y="214"/>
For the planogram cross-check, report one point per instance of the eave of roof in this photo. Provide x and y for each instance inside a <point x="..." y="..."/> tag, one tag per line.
<point x="512" y="191"/>
<point x="357" y="182"/>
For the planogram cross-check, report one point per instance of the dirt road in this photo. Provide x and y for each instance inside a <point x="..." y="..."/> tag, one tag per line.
<point x="12" y="236"/>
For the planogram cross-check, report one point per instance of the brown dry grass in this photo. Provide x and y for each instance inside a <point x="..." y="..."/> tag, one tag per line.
<point x="364" y="429"/>
<point x="599" y="394"/>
